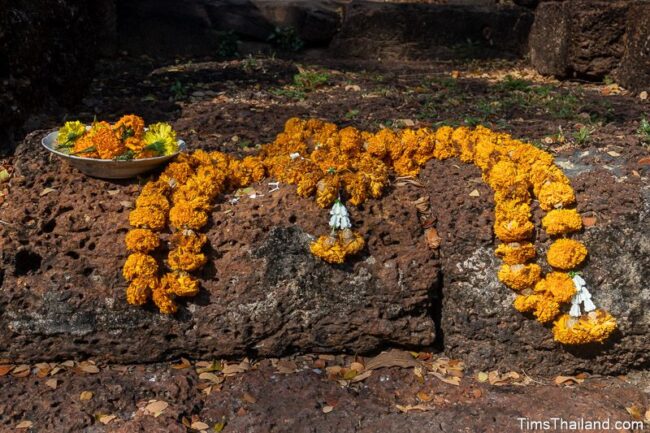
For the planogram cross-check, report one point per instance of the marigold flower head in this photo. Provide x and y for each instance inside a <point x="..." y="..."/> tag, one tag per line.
<point x="327" y="190"/>
<point x="179" y="172"/>
<point x="562" y="221"/>
<point x="553" y="195"/>
<point x="351" y="242"/>
<point x="328" y="248"/>
<point x="516" y="253"/>
<point x="188" y="240"/>
<point x="546" y="309"/>
<point x="139" y="265"/>
<point x="139" y="289"/>
<point x="516" y="228"/>
<point x="141" y="240"/>
<point x="444" y="144"/>
<point x="147" y="217"/>
<point x="566" y="254"/>
<point x="129" y="126"/>
<point x="184" y="216"/>
<point x="526" y="303"/>
<point x="152" y="200"/>
<point x="163" y="299"/>
<point x="594" y="327"/>
<point x="181" y="284"/>
<point x="462" y="140"/>
<point x="520" y="277"/>
<point x="155" y="187"/>
<point x="558" y="286"/>
<point x="181" y="259"/>
<point x="108" y="146"/>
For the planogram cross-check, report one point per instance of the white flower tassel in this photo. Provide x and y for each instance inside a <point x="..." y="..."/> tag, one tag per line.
<point x="340" y="219"/>
<point x="582" y="296"/>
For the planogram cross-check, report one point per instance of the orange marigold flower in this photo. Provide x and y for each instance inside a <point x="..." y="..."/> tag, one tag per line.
<point x="148" y="217"/>
<point x="129" y="126"/>
<point x="181" y="284"/>
<point x="553" y="195"/>
<point x="104" y="140"/>
<point x="516" y="253"/>
<point x="139" y="265"/>
<point x="351" y="242"/>
<point x="546" y="309"/>
<point x="520" y="277"/>
<point x="139" y="289"/>
<point x="141" y="240"/>
<point x="178" y="172"/>
<point x="444" y="144"/>
<point x="181" y="259"/>
<point x="327" y="190"/>
<point x="184" y="216"/>
<point x="153" y="200"/>
<point x="328" y="248"/>
<point x="188" y="240"/>
<point x="558" y="286"/>
<point x="566" y="254"/>
<point x="562" y="221"/>
<point x="163" y="299"/>
<point x="594" y="327"/>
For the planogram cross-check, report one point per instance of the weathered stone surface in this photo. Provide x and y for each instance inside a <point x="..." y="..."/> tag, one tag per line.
<point x="634" y="70"/>
<point x="478" y="321"/>
<point x="578" y="37"/>
<point x="263" y="292"/>
<point x="387" y="30"/>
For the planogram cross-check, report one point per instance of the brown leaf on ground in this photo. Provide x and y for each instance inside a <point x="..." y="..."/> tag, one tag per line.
<point x="432" y="238"/>
<point x="88" y="367"/>
<point x="22" y="370"/>
<point x="568" y="380"/>
<point x="635" y="412"/>
<point x="182" y="365"/>
<point x="249" y="398"/>
<point x="156" y="407"/>
<point x="24" y="425"/>
<point x="286" y="366"/>
<point x="5" y="369"/>
<point x="86" y="395"/>
<point x="234" y="369"/>
<point x="392" y="358"/>
<point x="451" y="380"/>
<point x="417" y="407"/>
<point x="212" y="378"/>
<point x="199" y="425"/>
<point x="52" y="383"/>
<point x="105" y="419"/>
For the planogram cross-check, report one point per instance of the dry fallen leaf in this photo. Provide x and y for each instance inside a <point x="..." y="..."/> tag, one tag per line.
<point x="482" y="376"/>
<point x="362" y="376"/>
<point x="211" y="377"/>
<point x="233" y="369"/>
<point x="588" y="221"/>
<point x="613" y="153"/>
<point x="6" y="368"/>
<point x="182" y="365"/>
<point x="249" y="398"/>
<point x="156" y="407"/>
<point x="24" y="425"/>
<point x="105" y="419"/>
<point x="22" y="370"/>
<point x="424" y="397"/>
<point x="432" y="238"/>
<point x="327" y="409"/>
<point x="52" y="383"/>
<point x="286" y="366"/>
<point x="450" y="380"/>
<point x="475" y="193"/>
<point x="198" y="425"/>
<point x="635" y="412"/>
<point x="88" y="367"/>
<point x="567" y="380"/>
<point x="417" y="407"/>
<point x="392" y="358"/>
<point x="86" y="395"/>
<point x="47" y="191"/>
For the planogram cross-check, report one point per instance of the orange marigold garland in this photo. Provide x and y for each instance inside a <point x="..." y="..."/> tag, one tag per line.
<point x="325" y="162"/>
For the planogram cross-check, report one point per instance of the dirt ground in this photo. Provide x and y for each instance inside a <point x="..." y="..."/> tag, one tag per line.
<point x="237" y="105"/>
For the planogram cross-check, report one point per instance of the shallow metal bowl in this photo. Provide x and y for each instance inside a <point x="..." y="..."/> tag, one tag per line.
<point x="109" y="168"/>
